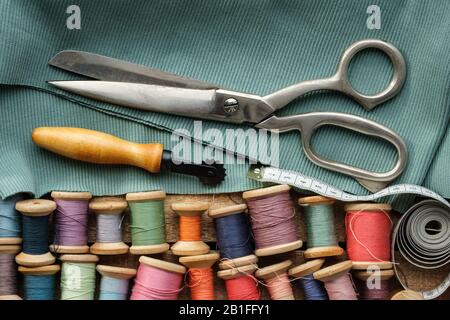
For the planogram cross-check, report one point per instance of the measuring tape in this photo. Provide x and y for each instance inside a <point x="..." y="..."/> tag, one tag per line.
<point x="411" y="234"/>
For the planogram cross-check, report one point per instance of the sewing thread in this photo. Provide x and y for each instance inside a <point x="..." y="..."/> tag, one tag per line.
<point x="8" y="278"/>
<point x="113" y="288"/>
<point x="35" y="234"/>
<point x="312" y="288"/>
<point x="147" y="222"/>
<point x="242" y="288"/>
<point x="190" y="228"/>
<point x="10" y="219"/>
<point x="272" y="220"/>
<point x="71" y="222"/>
<point x="368" y="235"/>
<point x="77" y="281"/>
<point x="341" y="288"/>
<point x="234" y="239"/>
<point x="319" y="221"/>
<point x="39" y="287"/>
<point x="201" y="283"/>
<point x="156" y="284"/>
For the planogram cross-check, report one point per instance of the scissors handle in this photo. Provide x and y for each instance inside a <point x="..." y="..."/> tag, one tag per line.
<point x="340" y="81"/>
<point x="307" y="123"/>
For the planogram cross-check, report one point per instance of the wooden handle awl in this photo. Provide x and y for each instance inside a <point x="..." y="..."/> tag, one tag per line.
<point x="98" y="147"/>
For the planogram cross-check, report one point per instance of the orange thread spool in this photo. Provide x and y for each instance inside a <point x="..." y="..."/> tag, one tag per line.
<point x="189" y="242"/>
<point x="201" y="284"/>
<point x="200" y="275"/>
<point x="240" y="283"/>
<point x="190" y="228"/>
<point x="368" y="229"/>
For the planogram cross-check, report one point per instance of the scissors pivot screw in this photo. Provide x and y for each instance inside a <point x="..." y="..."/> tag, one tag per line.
<point x="231" y="105"/>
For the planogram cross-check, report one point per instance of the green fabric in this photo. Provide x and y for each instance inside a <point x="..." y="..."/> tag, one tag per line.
<point x="252" y="46"/>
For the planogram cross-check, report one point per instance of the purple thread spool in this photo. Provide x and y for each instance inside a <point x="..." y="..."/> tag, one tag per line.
<point x="367" y="278"/>
<point x="71" y="222"/>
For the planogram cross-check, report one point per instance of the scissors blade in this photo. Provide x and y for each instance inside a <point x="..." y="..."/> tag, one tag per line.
<point x="149" y="97"/>
<point x="110" y="69"/>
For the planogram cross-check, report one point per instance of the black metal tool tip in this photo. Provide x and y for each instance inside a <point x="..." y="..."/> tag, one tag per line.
<point x="211" y="174"/>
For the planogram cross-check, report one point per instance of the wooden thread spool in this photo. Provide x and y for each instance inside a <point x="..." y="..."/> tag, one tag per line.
<point x="9" y="294"/>
<point x="368" y="247"/>
<point x="35" y="209"/>
<point x="265" y="193"/>
<point x="407" y="295"/>
<point x="39" y="293"/>
<point x="203" y="288"/>
<point x="120" y="276"/>
<point x="192" y="246"/>
<point x="335" y="272"/>
<point x="139" y="246"/>
<point x="238" y="253"/>
<point x="247" y="290"/>
<point x="305" y="270"/>
<point x="78" y="276"/>
<point x="10" y="224"/>
<point x="157" y="280"/>
<point x="109" y="206"/>
<point x="324" y="228"/>
<point x="365" y="291"/>
<point x="75" y="197"/>
<point x="275" y="277"/>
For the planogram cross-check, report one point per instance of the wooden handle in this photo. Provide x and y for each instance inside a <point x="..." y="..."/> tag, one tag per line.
<point x="98" y="147"/>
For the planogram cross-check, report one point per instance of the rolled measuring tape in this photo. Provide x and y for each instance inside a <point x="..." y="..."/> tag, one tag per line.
<point x="422" y="235"/>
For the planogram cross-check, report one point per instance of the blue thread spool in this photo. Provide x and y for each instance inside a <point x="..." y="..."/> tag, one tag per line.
<point x="313" y="289"/>
<point x="10" y="221"/>
<point x="114" y="284"/>
<point x="234" y="239"/>
<point x="35" y="215"/>
<point x="39" y="283"/>
<point x="109" y="225"/>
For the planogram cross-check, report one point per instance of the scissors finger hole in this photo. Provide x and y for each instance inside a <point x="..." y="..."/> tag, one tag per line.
<point x="352" y="148"/>
<point x="370" y="72"/>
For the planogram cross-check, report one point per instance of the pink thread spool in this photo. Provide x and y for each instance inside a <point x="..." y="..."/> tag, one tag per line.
<point x="71" y="222"/>
<point x="277" y="280"/>
<point x="368" y="229"/>
<point x="337" y="281"/>
<point x="273" y="222"/>
<point x="157" y="280"/>
<point x="374" y="285"/>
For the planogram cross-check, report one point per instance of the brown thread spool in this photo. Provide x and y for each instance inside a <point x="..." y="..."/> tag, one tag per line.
<point x="333" y="272"/>
<point x="189" y="247"/>
<point x="320" y="251"/>
<point x="381" y="208"/>
<point x="9" y="249"/>
<point x="363" y="276"/>
<point x="108" y="206"/>
<point x="138" y="199"/>
<point x="71" y="196"/>
<point x="35" y="208"/>
<point x="264" y="193"/>
<point x="274" y="273"/>
<point x="225" y="212"/>
<point x="205" y="261"/>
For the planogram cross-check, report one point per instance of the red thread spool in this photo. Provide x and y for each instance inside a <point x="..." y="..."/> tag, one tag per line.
<point x="240" y="283"/>
<point x="200" y="275"/>
<point x="368" y="229"/>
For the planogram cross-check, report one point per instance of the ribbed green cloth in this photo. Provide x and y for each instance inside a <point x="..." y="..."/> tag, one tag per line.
<point x="250" y="46"/>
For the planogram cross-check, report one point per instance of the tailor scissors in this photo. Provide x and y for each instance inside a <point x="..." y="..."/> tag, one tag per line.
<point x="140" y="87"/>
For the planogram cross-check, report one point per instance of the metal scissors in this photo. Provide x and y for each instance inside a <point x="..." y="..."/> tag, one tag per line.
<point x="149" y="89"/>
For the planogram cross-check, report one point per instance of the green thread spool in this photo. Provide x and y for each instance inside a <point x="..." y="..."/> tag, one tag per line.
<point x="319" y="220"/>
<point x="78" y="276"/>
<point x="148" y="224"/>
